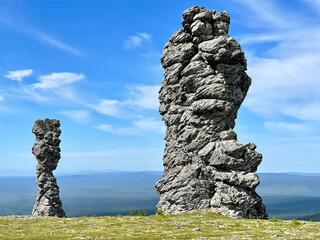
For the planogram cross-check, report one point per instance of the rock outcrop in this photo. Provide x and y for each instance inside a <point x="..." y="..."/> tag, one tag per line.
<point x="47" y="151"/>
<point x="205" y="167"/>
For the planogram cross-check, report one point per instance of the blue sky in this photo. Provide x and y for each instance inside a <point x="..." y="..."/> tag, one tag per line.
<point x="95" y="65"/>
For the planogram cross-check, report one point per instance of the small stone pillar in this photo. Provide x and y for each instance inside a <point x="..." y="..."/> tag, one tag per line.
<point x="47" y="151"/>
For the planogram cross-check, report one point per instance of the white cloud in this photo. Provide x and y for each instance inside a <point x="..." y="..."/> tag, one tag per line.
<point x="1" y="98"/>
<point x="77" y="115"/>
<point x="105" y="127"/>
<point x="132" y="42"/>
<point x="136" y="40"/>
<point x="290" y="127"/>
<point x="304" y="111"/>
<point x="285" y="81"/>
<point x="145" y="36"/>
<point x="18" y="75"/>
<point x="254" y="38"/>
<point x="108" y="107"/>
<point x="150" y="124"/>
<point x="143" y="126"/>
<point x="55" y="80"/>
<point x="267" y="14"/>
<point x="145" y="96"/>
<point x="34" y="92"/>
<point x="27" y="92"/>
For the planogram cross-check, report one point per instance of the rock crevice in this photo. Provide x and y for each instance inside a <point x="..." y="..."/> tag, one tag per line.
<point x="205" y="166"/>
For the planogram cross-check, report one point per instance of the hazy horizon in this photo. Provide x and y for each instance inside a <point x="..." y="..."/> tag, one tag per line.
<point x="113" y="193"/>
<point x="58" y="174"/>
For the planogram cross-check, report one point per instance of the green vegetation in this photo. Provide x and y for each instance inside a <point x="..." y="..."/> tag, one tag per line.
<point x="295" y="223"/>
<point x="273" y="219"/>
<point x="138" y="213"/>
<point x="158" y="211"/>
<point x="182" y="226"/>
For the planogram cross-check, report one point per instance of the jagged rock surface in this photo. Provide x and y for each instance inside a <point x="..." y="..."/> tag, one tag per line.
<point x="205" y="167"/>
<point x="47" y="151"/>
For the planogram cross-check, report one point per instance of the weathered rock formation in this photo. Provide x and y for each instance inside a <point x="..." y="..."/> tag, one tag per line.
<point x="205" y="167"/>
<point x="47" y="151"/>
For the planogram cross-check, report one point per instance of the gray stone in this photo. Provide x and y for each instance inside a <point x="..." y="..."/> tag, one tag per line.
<point x="199" y="28"/>
<point x="47" y="151"/>
<point x="205" y="167"/>
<point x="205" y="16"/>
<point x="180" y="53"/>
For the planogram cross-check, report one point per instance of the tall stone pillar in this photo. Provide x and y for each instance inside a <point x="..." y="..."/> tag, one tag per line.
<point x="205" y="167"/>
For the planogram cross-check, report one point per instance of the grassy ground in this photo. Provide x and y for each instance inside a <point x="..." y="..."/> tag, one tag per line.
<point x="182" y="226"/>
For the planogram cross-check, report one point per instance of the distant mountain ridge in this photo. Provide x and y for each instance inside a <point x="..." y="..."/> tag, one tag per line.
<point x="313" y="217"/>
<point x="303" y="174"/>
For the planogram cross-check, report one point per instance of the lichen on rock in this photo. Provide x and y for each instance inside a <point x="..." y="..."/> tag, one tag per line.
<point x="205" y="167"/>
<point x="47" y="151"/>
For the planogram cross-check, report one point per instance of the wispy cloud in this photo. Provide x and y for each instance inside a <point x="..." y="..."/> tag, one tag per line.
<point x="150" y="124"/>
<point x="136" y="40"/>
<point x="18" y="75"/>
<point x="77" y="115"/>
<point x="1" y="98"/>
<point x="39" y="91"/>
<point x="290" y="127"/>
<point x="55" y="43"/>
<point x="254" y="38"/>
<point x="267" y="14"/>
<point x="304" y="111"/>
<point x="314" y="3"/>
<point x="143" y="97"/>
<point x="27" y="92"/>
<point x="55" y="88"/>
<point x="68" y="92"/>
<point x="55" y="80"/>
<point x="13" y="19"/>
<point x="285" y="75"/>
<point x="105" y="127"/>
<point x="282" y="82"/>
<point x="108" y="107"/>
<point x="145" y="36"/>
<point x="140" y="127"/>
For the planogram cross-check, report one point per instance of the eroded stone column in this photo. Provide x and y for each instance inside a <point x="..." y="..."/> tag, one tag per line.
<point x="47" y="151"/>
<point x="205" y="82"/>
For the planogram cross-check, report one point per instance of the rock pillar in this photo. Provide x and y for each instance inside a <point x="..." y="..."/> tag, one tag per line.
<point x="47" y="151"/>
<point x="205" y="167"/>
